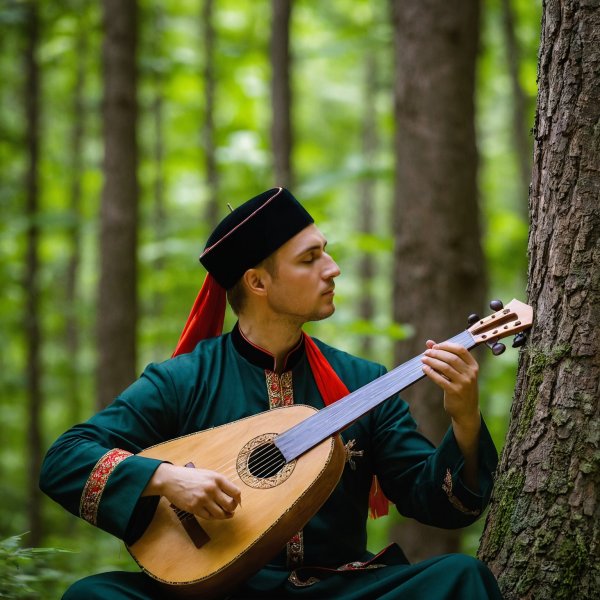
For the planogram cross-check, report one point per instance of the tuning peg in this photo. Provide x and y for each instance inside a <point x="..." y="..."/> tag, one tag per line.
<point x="496" y="305"/>
<point x="472" y="319"/>
<point x="519" y="340"/>
<point x="497" y="348"/>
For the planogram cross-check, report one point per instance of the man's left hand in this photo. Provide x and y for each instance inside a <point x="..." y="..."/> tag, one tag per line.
<point x="453" y="368"/>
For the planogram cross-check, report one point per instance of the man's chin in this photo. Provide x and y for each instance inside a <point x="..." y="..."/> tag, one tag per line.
<point x="324" y="314"/>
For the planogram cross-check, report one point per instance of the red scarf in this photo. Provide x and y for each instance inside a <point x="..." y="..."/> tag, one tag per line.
<point x="206" y="320"/>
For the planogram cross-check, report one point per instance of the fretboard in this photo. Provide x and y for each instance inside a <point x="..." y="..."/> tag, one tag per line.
<point x="337" y="416"/>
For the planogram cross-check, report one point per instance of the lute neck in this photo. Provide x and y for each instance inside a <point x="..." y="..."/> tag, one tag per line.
<point x="337" y="416"/>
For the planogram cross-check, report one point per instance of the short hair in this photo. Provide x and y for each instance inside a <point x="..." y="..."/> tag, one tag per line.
<point x="236" y="295"/>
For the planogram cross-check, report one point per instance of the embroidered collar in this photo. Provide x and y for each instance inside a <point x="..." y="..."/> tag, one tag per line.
<point x="262" y="358"/>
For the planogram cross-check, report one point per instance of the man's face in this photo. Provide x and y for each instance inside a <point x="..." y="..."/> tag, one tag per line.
<point x="301" y="283"/>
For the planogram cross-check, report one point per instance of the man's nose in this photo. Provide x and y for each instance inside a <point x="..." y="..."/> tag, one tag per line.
<point x="331" y="270"/>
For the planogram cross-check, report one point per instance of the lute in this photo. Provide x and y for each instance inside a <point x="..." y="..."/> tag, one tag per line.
<point x="288" y="460"/>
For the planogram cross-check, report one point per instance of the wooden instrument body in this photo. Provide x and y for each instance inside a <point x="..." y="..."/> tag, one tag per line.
<point x="269" y="516"/>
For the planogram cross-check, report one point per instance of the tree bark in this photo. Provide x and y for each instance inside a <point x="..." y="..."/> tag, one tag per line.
<point x="32" y="325"/>
<point x="439" y="274"/>
<point x="117" y="305"/>
<point x="281" y="128"/>
<point x="541" y="536"/>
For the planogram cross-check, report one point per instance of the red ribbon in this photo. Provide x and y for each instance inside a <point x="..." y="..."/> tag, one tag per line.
<point x="206" y="317"/>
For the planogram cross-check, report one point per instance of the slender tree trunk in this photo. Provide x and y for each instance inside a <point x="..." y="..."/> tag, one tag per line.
<point x="159" y="213"/>
<point x="117" y="305"/>
<point x="542" y="533"/>
<point x="366" y="188"/>
<point x="213" y="213"/>
<point x="281" y="128"/>
<point x="73" y="337"/>
<point x="439" y="269"/>
<point x="32" y="267"/>
<point x="523" y="146"/>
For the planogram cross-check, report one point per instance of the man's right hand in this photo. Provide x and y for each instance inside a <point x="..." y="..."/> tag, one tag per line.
<point x="207" y="494"/>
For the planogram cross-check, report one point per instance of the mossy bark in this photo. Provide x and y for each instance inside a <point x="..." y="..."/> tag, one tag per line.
<point x="541" y="535"/>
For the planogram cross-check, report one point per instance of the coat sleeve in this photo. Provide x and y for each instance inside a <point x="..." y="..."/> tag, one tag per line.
<point x="92" y="469"/>
<point x="426" y="482"/>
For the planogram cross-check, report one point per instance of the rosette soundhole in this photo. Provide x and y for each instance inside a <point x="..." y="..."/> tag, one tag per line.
<point x="265" y="461"/>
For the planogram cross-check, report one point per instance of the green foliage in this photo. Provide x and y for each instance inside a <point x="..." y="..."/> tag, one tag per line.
<point x="24" y="572"/>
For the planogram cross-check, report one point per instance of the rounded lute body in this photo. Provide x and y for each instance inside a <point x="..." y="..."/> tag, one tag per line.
<point x="277" y="501"/>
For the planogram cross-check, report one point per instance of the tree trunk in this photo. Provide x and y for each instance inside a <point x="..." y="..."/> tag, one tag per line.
<point x="159" y="211"/>
<point x="72" y="325"/>
<point x="541" y="537"/>
<point x="32" y="267"/>
<point x="439" y="273"/>
<point x="281" y="128"/>
<point x="519" y="98"/>
<point x="117" y="305"/>
<point x="213" y="212"/>
<point x="366" y="190"/>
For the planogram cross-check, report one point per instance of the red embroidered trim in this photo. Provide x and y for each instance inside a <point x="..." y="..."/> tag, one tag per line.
<point x="281" y="393"/>
<point x="447" y="487"/>
<point x="94" y="486"/>
<point x="295" y="551"/>
<point x="280" y="389"/>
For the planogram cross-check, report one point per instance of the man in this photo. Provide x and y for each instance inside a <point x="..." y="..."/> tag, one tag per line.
<point x="272" y="261"/>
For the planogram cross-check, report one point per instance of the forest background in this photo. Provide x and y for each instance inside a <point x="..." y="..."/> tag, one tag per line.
<point x="342" y="99"/>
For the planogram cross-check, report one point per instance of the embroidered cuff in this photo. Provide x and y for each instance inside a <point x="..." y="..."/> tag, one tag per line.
<point x="94" y="486"/>
<point x="448" y="487"/>
<point x="463" y="499"/>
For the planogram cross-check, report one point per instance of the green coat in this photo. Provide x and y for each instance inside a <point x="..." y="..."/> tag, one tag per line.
<point x="225" y="379"/>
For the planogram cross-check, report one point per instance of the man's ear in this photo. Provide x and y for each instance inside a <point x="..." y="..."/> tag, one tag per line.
<point x="255" y="280"/>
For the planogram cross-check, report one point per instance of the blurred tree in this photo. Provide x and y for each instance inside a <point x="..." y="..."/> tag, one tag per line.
<point x="366" y="200"/>
<point x="520" y="101"/>
<point x="72" y="324"/>
<point x="541" y="537"/>
<point x="209" y="143"/>
<point x="439" y="268"/>
<point x="159" y="210"/>
<point x="32" y="326"/>
<point x="281" y="97"/>
<point x="117" y="301"/>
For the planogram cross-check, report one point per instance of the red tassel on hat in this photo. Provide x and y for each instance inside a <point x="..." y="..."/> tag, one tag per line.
<point x="206" y="317"/>
<point x="332" y="388"/>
